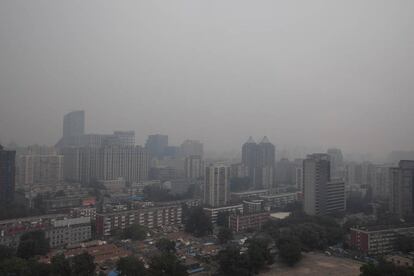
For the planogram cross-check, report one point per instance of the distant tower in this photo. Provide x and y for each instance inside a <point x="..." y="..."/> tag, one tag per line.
<point x="216" y="185"/>
<point x="7" y="175"/>
<point x="337" y="162"/>
<point x="125" y="138"/>
<point x="157" y="144"/>
<point x="74" y="124"/>
<point x="265" y="164"/>
<point x="193" y="167"/>
<point x="249" y="158"/>
<point x="260" y="161"/>
<point x="73" y="127"/>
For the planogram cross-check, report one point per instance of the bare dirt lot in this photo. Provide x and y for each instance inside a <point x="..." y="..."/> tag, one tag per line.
<point x="317" y="264"/>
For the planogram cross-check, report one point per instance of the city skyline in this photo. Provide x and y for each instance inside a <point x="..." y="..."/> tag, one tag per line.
<point x="300" y="74"/>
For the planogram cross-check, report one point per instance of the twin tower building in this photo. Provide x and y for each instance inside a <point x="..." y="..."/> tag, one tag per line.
<point x="259" y="160"/>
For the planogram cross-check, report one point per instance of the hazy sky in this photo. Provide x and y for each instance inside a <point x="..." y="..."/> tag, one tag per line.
<point x="305" y="73"/>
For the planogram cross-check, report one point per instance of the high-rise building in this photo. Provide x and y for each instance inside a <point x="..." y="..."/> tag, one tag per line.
<point x="249" y="158"/>
<point x="381" y="186"/>
<point x="126" y="138"/>
<point x="216" y="185"/>
<point x="156" y="144"/>
<point x="194" y="167"/>
<point x="260" y="161"/>
<point x="84" y="164"/>
<point x="402" y="188"/>
<point x="7" y="175"/>
<point x="74" y="124"/>
<point x="321" y="194"/>
<point x="299" y="174"/>
<point x="337" y="162"/>
<point x="40" y="169"/>
<point x="191" y="147"/>
<point x="266" y="164"/>
<point x="73" y="127"/>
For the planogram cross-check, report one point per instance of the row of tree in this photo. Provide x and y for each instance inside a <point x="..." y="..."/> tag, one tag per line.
<point x="234" y="262"/>
<point x="300" y="232"/>
<point x="383" y="268"/>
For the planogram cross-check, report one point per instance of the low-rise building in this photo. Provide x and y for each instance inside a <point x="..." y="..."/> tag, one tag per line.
<point x="150" y="217"/>
<point x="83" y="212"/>
<point x="252" y="206"/>
<point x="276" y="201"/>
<point x="59" y="229"/>
<point x="240" y="196"/>
<point x="255" y="221"/>
<point x="69" y="231"/>
<point x="213" y="212"/>
<point x="378" y="240"/>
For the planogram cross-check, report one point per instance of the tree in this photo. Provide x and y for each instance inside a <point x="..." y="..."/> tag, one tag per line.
<point x="60" y="266"/>
<point x="405" y="243"/>
<point x="14" y="266"/>
<point x="198" y="223"/>
<point x="39" y="269"/>
<point x="223" y="219"/>
<point x="231" y="262"/>
<point x="135" y="232"/>
<point x="289" y="250"/>
<point x="83" y="265"/>
<point x="165" y="245"/>
<point x="224" y="235"/>
<point x="32" y="244"/>
<point x="383" y="268"/>
<point x="259" y="254"/>
<point x="166" y="264"/>
<point x="5" y="252"/>
<point x="130" y="266"/>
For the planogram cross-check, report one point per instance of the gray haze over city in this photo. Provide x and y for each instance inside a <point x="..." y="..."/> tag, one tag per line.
<point x="308" y="74"/>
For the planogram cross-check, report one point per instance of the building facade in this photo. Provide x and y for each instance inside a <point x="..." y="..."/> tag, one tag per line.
<point x="156" y="145"/>
<point x="84" y="164"/>
<point x="7" y="175"/>
<point x="107" y="223"/>
<point x="194" y="167"/>
<point x="247" y="222"/>
<point x="402" y="188"/>
<point x="321" y="194"/>
<point x="216" y="185"/>
<point x="379" y="240"/>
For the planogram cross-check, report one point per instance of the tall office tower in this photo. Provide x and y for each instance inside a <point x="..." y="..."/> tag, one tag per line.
<point x="40" y="169"/>
<point x="249" y="158"/>
<point x="216" y="185"/>
<point x="7" y="175"/>
<point x="299" y="174"/>
<point x="191" y="147"/>
<point x="126" y="138"/>
<point x="194" y="167"/>
<point x="129" y="162"/>
<point x="381" y="186"/>
<point x="73" y="127"/>
<point x="285" y="173"/>
<point x="82" y="164"/>
<point x="260" y="160"/>
<point x="74" y="124"/>
<point x="265" y="164"/>
<point x="402" y="188"/>
<point x="156" y="144"/>
<point x="337" y="162"/>
<point x="321" y="195"/>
